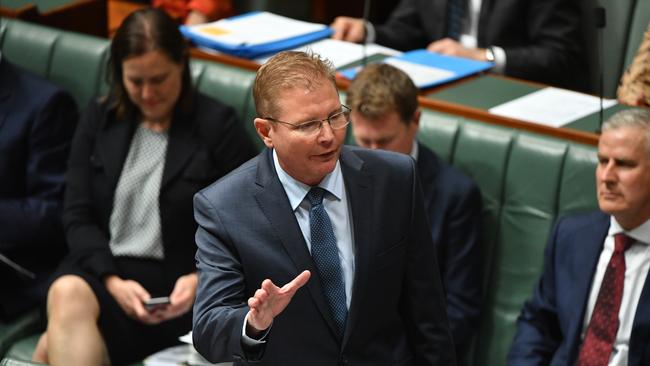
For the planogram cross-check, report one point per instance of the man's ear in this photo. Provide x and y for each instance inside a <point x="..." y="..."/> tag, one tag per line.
<point x="263" y="128"/>
<point x="416" y="117"/>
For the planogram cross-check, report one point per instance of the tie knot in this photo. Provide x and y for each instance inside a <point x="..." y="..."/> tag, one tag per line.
<point x="315" y="196"/>
<point x="622" y="242"/>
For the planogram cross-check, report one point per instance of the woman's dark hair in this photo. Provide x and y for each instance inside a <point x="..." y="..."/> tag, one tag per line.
<point x="143" y="31"/>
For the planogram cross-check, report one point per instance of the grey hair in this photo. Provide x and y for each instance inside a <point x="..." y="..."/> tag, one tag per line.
<point x="635" y="118"/>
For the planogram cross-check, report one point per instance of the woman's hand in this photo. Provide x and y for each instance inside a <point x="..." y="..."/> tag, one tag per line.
<point x="181" y="298"/>
<point x="131" y="296"/>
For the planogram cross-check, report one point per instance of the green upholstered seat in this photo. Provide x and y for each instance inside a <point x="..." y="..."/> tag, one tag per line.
<point x="41" y="5"/>
<point x="78" y="65"/>
<point x="231" y="85"/>
<point x="26" y="324"/>
<point x="14" y="362"/>
<point x="29" y="45"/>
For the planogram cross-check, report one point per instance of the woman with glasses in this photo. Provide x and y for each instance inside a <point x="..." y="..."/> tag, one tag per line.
<point x="137" y="159"/>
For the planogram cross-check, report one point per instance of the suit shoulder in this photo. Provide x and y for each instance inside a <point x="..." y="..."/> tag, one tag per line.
<point x="582" y="221"/>
<point x="379" y="159"/>
<point x="231" y="187"/>
<point x="34" y="88"/>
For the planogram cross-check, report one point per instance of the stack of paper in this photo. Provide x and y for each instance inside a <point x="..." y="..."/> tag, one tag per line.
<point x="551" y="106"/>
<point x="428" y="69"/>
<point x="255" y="34"/>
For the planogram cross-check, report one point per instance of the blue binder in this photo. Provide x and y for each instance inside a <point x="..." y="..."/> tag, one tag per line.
<point x="458" y="66"/>
<point x="258" y="50"/>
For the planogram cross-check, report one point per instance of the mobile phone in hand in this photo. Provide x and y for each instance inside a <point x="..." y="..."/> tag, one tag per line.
<point x="156" y="303"/>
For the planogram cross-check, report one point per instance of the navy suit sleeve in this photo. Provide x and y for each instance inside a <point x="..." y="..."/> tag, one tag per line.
<point x="35" y="216"/>
<point x="462" y="267"/>
<point x="403" y="30"/>
<point x="538" y="330"/>
<point x="553" y="48"/>
<point x="423" y="300"/>
<point x="220" y="306"/>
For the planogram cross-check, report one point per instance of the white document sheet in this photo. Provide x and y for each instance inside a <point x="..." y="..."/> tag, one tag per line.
<point x="340" y="52"/>
<point x="551" y="106"/>
<point x="256" y="29"/>
<point x="420" y="74"/>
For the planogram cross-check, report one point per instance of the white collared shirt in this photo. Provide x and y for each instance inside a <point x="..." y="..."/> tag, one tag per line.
<point x="336" y="205"/>
<point x="637" y="263"/>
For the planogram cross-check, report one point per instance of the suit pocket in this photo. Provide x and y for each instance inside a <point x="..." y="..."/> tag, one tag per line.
<point x="393" y="255"/>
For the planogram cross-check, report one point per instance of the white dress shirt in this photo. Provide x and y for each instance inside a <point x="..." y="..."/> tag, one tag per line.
<point x="637" y="263"/>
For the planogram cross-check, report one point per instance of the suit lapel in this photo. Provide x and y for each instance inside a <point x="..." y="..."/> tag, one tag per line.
<point x="361" y="201"/>
<point x="180" y="148"/>
<point x="275" y="205"/>
<point x="587" y="248"/>
<point x="113" y="143"/>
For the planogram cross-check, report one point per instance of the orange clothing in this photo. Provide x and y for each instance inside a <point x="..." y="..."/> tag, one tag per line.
<point x="178" y="9"/>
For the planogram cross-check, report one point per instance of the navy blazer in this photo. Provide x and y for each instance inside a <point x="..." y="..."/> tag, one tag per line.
<point x="549" y="327"/>
<point x="453" y="205"/>
<point x="541" y="38"/>
<point x="248" y="232"/>
<point x="37" y="121"/>
<point x="204" y="143"/>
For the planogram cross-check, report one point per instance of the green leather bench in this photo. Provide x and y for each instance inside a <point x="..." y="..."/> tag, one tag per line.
<point x="527" y="180"/>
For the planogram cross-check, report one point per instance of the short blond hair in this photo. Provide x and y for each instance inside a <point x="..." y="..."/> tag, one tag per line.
<point x="380" y="89"/>
<point x="285" y="71"/>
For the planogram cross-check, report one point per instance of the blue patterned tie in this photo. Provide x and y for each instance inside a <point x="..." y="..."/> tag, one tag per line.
<point x="326" y="256"/>
<point x="455" y="16"/>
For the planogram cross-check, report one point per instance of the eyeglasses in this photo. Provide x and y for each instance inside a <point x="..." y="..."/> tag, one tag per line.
<point x="337" y="121"/>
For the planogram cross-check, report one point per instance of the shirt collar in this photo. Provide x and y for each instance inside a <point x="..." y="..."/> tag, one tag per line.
<point x="296" y="191"/>
<point x="640" y="233"/>
<point x="415" y="150"/>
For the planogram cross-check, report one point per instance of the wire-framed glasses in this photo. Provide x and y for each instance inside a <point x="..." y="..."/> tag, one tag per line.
<point x="337" y="121"/>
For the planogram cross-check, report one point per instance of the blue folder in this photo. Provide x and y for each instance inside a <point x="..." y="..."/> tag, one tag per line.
<point x="460" y="67"/>
<point x="258" y="50"/>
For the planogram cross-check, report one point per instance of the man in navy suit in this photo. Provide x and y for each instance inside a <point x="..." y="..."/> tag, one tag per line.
<point x="37" y="121"/>
<point x="592" y="303"/>
<point x="385" y="115"/>
<point x="314" y="253"/>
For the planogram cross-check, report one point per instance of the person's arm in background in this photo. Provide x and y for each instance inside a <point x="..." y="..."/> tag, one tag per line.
<point x="35" y="216"/>
<point x="554" y="49"/>
<point x="402" y="31"/>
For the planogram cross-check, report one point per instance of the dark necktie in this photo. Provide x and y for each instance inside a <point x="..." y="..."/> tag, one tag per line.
<point x="326" y="256"/>
<point x="455" y="15"/>
<point x="603" y="325"/>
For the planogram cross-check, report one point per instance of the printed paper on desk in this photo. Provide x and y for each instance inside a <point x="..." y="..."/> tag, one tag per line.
<point x="255" y="29"/>
<point x="421" y="75"/>
<point x="551" y="106"/>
